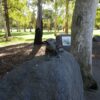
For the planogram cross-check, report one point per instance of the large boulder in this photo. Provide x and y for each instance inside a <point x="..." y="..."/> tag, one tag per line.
<point x="44" y="78"/>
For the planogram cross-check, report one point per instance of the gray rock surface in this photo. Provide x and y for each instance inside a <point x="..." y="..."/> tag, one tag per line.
<point x="44" y="78"/>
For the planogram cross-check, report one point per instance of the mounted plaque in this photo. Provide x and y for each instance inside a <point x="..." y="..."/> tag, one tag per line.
<point x="63" y="41"/>
<point x="66" y="40"/>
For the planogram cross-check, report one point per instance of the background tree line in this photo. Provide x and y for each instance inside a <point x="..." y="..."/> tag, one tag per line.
<point x="21" y="14"/>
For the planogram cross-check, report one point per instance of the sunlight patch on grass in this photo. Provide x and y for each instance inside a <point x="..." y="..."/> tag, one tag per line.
<point x="49" y="36"/>
<point x="96" y="33"/>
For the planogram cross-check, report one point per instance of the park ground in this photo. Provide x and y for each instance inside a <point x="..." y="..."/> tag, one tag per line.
<point x="95" y="95"/>
<point x="28" y="37"/>
<point x="18" y="50"/>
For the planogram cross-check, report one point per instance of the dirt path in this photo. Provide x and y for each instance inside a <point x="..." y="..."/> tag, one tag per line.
<point x="14" y="55"/>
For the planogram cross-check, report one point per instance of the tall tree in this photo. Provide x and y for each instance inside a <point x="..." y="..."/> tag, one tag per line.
<point x="3" y="20"/>
<point x="6" y="15"/>
<point x="55" y="19"/>
<point x="82" y="29"/>
<point x="97" y="21"/>
<point x="67" y="15"/>
<point x="39" y="25"/>
<point x="20" y="13"/>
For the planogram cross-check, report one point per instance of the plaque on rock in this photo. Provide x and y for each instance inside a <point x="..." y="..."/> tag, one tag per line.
<point x="66" y="40"/>
<point x="63" y="41"/>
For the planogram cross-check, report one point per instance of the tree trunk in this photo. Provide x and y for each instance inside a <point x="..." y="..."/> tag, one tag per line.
<point x="82" y="29"/>
<point x="4" y="23"/>
<point x="6" y="15"/>
<point x="24" y="29"/>
<point x="39" y="25"/>
<point x="55" y="25"/>
<point x="48" y="25"/>
<point x="55" y="17"/>
<point x="11" y="29"/>
<point x="6" y="32"/>
<point x="67" y="15"/>
<point x="30" y="28"/>
<point x="18" y="27"/>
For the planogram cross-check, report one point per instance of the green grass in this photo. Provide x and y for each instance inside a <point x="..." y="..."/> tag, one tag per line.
<point x="22" y="37"/>
<point x="28" y="37"/>
<point x="96" y="33"/>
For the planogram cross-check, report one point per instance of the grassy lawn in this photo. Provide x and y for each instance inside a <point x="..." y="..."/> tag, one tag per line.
<point x="28" y="37"/>
<point x="96" y="33"/>
<point x="22" y="37"/>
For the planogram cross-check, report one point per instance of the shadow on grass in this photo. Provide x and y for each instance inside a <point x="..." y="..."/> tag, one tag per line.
<point x="1" y="35"/>
<point x="13" y="55"/>
<point x="13" y="47"/>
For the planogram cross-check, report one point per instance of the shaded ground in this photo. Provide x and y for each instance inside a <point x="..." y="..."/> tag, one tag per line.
<point x="95" y="95"/>
<point x="17" y="54"/>
<point x="13" y="55"/>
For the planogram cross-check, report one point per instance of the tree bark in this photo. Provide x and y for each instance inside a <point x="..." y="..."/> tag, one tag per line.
<point x="55" y="25"/>
<point x="48" y="25"/>
<point x="24" y="29"/>
<point x="30" y="28"/>
<point x="4" y="23"/>
<point x="67" y="15"/>
<point x="6" y="15"/>
<point x="18" y="27"/>
<point x="39" y="25"/>
<point x="82" y="29"/>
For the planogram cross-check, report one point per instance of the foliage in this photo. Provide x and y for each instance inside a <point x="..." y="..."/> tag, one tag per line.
<point x="97" y="21"/>
<point x="19" y="12"/>
<point x="23" y="13"/>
